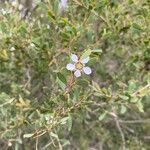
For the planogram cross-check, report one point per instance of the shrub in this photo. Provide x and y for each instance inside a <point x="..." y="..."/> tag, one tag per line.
<point x="44" y="106"/>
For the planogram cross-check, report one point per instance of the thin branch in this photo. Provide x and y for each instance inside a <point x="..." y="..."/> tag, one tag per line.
<point x="9" y="102"/>
<point x="120" y="130"/>
<point x="37" y="143"/>
<point x="134" y="121"/>
<point x="140" y="90"/>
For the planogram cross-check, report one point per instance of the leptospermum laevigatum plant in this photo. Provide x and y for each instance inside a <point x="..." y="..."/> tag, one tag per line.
<point x="75" y="75"/>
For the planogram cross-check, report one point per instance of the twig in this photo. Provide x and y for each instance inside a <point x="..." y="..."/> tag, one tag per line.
<point x="56" y="122"/>
<point x="134" y="121"/>
<point x="94" y="12"/>
<point x="140" y="90"/>
<point x="10" y="101"/>
<point x="37" y="143"/>
<point x="70" y="84"/>
<point x="120" y="130"/>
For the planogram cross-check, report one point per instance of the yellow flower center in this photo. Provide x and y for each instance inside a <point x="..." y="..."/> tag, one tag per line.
<point x="79" y="65"/>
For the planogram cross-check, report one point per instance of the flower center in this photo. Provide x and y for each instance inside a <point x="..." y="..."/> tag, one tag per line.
<point x="79" y="65"/>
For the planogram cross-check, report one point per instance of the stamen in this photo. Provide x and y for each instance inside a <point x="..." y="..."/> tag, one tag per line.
<point x="79" y="65"/>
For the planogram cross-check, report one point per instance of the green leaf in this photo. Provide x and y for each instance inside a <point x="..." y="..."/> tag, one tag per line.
<point x="136" y="29"/>
<point x="123" y="109"/>
<point x="61" y="84"/>
<point x="140" y="106"/>
<point x="54" y="135"/>
<point x="65" y="142"/>
<point x="62" y="78"/>
<point x="82" y="82"/>
<point x="125" y="29"/>
<point x="86" y="54"/>
<point x="61" y="81"/>
<point x="28" y="135"/>
<point x="95" y="86"/>
<point x="3" y="27"/>
<point x="64" y="120"/>
<point x="8" y="102"/>
<point x="51" y="14"/>
<point x="69" y="122"/>
<point x="134" y="99"/>
<point x="97" y="51"/>
<point x="102" y="116"/>
<point x="124" y="97"/>
<point x="132" y="85"/>
<point x="136" y="26"/>
<point x="4" y="97"/>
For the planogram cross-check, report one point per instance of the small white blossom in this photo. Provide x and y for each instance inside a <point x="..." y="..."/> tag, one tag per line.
<point x="9" y="11"/>
<point x="3" y="11"/>
<point x="32" y="45"/>
<point x="12" y="49"/>
<point x="14" y="3"/>
<point x="20" y="7"/>
<point x="78" y="66"/>
<point x="63" y="4"/>
<point x="9" y="144"/>
<point x="42" y="15"/>
<point x="10" y="34"/>
<point x="48" y="26"/>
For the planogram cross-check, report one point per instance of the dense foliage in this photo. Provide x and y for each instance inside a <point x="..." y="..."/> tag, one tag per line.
<point x="43" y="106"/>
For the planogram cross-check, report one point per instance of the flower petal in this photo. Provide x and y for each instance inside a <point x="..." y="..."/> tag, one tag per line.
<point x="77" y="73"/>
<point x="70" y="67"/>
<point x="84" y="61"/>
<point x="63" y="3"/>
<point x="87" y="70"/>
<point x="74" y="58"/>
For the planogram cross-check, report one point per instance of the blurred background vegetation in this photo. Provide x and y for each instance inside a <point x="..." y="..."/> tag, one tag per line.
<point x="108" y="110"/>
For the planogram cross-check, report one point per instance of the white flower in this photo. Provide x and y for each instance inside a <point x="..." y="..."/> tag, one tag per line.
<point x="48" y="26"/>
<point x="63" y="5"/>
<point x="78" y="65"/>
<point x="42" y="15"/>
<point x="32" y="44"/>
<point x="9" y="144"/>
<point x="4" y="12"/>
<point x="20" y="7"/>
<point x="12" y="49"/>
<point x="14" y="3"/>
